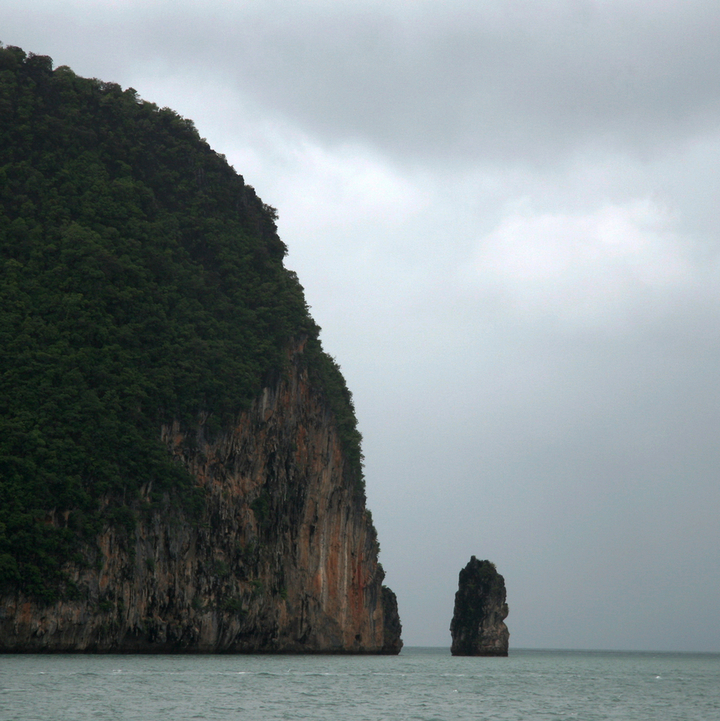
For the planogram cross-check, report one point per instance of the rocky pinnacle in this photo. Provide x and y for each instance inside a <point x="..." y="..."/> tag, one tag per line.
<point x="478" y="627"/>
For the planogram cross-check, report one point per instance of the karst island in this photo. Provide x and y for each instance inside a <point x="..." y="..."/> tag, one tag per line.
<point x="180" y="464"/>
<point x="477" y="626"/>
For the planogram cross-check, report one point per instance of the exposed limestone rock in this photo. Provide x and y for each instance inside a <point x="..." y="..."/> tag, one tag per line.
<point x="284" y="558"/>
<point x="392" y="644"/>
<point x="478" y="627"/>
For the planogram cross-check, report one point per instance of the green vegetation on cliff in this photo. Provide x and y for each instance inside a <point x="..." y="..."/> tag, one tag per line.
<point x="141" y="281"/>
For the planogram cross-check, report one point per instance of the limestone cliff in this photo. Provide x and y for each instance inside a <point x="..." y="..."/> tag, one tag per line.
<point x="392" y="642"/>
<point x="283" y="558"/>
<point x="478" y="627"/>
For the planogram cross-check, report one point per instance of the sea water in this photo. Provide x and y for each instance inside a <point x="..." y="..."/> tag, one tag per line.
<point x="422" y="684"/>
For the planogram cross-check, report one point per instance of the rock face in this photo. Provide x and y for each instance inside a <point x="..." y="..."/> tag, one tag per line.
<point x="392" y="643"/>
<point x="478" y="627"/>
<point x="283" y="559"/>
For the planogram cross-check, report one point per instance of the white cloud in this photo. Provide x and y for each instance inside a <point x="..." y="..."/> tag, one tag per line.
<point x="597" y="266"/>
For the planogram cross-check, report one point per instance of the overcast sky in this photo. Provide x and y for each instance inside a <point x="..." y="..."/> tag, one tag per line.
<point x="505" y="217"/>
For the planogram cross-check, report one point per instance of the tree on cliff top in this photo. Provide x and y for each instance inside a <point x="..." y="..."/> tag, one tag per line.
<point x="141" y="281"/>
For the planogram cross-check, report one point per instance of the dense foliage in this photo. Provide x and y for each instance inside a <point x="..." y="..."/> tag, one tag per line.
<point x="141" y="281"/>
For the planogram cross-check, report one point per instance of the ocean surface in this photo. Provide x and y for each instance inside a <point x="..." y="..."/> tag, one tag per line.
<point x="422" y="684"/>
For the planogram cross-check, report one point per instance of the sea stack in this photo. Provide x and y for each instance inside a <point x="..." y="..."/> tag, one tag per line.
<point x="478" y="627"/>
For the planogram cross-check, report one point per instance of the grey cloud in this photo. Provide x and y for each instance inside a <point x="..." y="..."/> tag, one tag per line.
<point x="462" y="82"/>
<point x="458" y="81"/>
